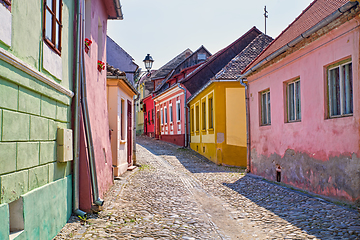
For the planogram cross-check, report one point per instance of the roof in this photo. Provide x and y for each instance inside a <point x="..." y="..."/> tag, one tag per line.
<point x="113" y="8"/>
<point x="165" y="70"/>
<point x="173" y="70"/>
<point x="233" y="69"/>
<point x="116" y="73"/>
<point x="313" y="14"/>
<point x="200" y="76"/>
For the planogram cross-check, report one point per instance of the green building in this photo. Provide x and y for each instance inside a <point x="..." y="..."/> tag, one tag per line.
<point x="36" y="69"/>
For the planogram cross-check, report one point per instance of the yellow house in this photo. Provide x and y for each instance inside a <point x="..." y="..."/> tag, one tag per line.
<point x="218" y="112"/>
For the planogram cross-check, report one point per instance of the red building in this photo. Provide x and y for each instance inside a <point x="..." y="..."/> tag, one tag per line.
<point x="149" y="116"/>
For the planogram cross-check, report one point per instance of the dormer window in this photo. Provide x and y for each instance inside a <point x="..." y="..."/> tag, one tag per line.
<point x="52" y="24"/>
<point x="201" y="57"/>
<point x="6" y="3"/>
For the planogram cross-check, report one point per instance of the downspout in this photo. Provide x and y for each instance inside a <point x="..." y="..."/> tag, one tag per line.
<point x="186" y="109"/>
<point x="134" y="127"/>
<point x="76" y="209"/>
<point x="94" y="184"/>
<point x="248" y="144"/>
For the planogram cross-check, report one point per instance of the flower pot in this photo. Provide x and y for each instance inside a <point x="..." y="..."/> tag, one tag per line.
<point x="99" y="68"/>
<point x="87" y="49"/>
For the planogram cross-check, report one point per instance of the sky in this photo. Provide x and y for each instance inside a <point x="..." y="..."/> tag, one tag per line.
<point x="165" y="28"/>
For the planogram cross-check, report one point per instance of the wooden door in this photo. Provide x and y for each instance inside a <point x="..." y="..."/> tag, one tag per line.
<point x="129" y="133"/>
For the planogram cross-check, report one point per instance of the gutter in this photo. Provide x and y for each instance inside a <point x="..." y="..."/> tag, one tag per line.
<point x="76" y="120"/>
<point x="186" y="109"/>
<point x="119" y="14"/>
<point x="302" y="36"/>
<point x="247" y="107"/>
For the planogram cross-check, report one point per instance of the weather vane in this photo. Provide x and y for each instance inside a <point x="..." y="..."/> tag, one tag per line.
<point x="266" y="16"/>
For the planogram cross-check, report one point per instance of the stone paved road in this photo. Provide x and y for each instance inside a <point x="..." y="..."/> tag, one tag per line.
<point x="177" y="194"/>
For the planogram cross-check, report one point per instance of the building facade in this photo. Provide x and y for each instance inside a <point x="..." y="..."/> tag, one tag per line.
<point x="36" y="69"/>
<point x="304" y="103"/>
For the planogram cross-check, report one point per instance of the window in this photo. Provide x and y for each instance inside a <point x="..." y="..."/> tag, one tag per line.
<point x="6" y="3"/>
<point x="340" y="90"/>
<point x="192" y="120"/>
<point x="197" y="118"/>
<point x="211" y="113"/>
<point x="265" y="108"/>
<point x="203" y="108"/>
<point x="294" y="101"/>
<point x="152" y="114"/>
<point x="165" y="115"/>
<point x="201" y="56"/>
<point x="149" y="116"/>
<point x="162" y="117"/>
<point x="122" y="119"/>
<point x="178" y="111"/>
<point x="53" y="24"/>
<point x="171" y="113"/>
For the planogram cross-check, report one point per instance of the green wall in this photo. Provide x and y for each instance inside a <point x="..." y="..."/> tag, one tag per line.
<point x="30" y="113"/>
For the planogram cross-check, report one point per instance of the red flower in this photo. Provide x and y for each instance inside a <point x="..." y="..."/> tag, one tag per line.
<point x="88" y="42"/>
<point x="101" y="64"/>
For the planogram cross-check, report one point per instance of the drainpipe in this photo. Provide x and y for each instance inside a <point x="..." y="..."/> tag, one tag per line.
<point x="134" y="127"/>
<point x="186" y="109"/>
<point x="94" y="184"/>
<point x="248" y="145"/>
<point x="76" y="209"/>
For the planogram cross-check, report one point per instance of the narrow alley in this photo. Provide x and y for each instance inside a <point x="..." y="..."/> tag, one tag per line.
<point x="177" y="194"/>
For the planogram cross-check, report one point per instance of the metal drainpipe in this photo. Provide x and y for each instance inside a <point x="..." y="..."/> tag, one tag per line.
<point x="134" y="128"/>
<point x="185" y="110"/>
<point x="96" y="199"/>
<point x="76" y="209"/>
<point x="247" y="124"/>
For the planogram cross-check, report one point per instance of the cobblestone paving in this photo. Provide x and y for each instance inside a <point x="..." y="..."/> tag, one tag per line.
<point x="177" y="194"/>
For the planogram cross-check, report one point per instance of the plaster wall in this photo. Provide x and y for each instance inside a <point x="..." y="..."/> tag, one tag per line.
<point x="317" y="153"/>
<point x="149" y="102"/>
<point x="97" y="104"/>
<point x="33" y="104"/>
<point x="176" y="128"/>
<point x="224" y="144"/>
<point x="119" y="146"/>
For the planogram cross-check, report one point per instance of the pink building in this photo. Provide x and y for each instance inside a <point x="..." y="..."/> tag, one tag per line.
<point x="96" y="173"/>
<point x="304" y="103"/>
<point x="170" y="97"/>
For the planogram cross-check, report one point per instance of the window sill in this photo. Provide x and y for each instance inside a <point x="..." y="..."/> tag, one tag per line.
<point x="340" y="116"/>
<point x="265" y="125"/>
<point x="294" y="121"/>
<point x="122" y="141"/>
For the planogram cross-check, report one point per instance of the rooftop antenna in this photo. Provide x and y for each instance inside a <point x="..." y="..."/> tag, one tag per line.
<point x="266" y="16"/>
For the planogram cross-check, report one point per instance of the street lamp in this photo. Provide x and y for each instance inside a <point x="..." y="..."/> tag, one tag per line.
<point x="148" y="61"/>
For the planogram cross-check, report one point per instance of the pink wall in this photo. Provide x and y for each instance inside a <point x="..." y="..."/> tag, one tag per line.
<point x="317" y="154"/>
<point x="149" y="103"/>
<point x="178" y="128"/>
<point x="96" y="93"/>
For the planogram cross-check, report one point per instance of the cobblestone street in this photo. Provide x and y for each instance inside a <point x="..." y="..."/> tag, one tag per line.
<point x="177" y="194"/>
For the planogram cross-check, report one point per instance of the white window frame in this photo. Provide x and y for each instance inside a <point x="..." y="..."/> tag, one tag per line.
<point x="165" y="115"/>
<point x="161" y="116"/>
<point x="265" y="108"/>
<point x="178" y="111"/>
<point x="171" y="112"/>
<point x="344" y="92"/>
<point x="294" y="100"/>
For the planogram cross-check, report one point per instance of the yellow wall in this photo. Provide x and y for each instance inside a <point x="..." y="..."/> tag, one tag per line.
<point x="225" y="143"/>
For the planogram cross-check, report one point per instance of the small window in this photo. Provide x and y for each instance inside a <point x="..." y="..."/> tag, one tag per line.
<point x="340" y="90"/>
<point x="178" y="111"/>
<point x="122" y="121"/>
<point x="162" y="117"/>
<point x="265" y="108"/>
<point x="294" y="101"/>
<point x="192" y="120"/>
<point x="211" y="113"/>
<point x="149" y="116"/>
<point x="201" y="56"/>
<point x="197" y="118"/>
<point x="171" y="113"/>
<point x="6" y="3"/>
<point x="165" y="115"/>
<point x="53" y="24"/>
<point x="203" y="108"/>
<point x="152" y="114"/>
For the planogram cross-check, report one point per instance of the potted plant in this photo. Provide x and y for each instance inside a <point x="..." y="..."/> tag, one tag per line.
<point x="101" y="65"/>
<point x="88" y="43"/>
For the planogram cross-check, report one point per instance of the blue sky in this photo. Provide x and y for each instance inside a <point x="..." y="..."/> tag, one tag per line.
<point x="165" y="28"/>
